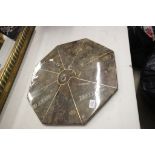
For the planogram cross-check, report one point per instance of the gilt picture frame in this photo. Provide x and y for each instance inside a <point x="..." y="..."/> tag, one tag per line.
<point x="9" y="71"/>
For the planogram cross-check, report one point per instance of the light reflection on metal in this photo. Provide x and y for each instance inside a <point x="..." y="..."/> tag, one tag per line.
<point x="97" y="91"/>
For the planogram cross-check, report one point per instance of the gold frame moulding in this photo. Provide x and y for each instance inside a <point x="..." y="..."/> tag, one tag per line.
<point x="11" y="67"/>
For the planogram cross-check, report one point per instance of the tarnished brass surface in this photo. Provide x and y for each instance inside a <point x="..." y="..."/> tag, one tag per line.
<point x="72" y="82"/>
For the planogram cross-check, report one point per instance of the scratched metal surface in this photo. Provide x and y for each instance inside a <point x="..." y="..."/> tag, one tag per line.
<point x="73" y="82"/>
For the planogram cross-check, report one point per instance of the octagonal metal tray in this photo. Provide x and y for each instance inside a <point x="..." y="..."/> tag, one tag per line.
<point x="73" y="82"/>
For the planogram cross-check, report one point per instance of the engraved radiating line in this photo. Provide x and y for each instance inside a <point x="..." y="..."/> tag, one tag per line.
<point x="30" y="96"/>
<point x="51" y="102"/>
<point x="76" y="55"/>
<point x="49" y="71"/>
<point x="98" y="57"/>
<point x="95" y="83"/>
<point x="75" y="104"/>
<point x="47" y="85"/>
<point x="73" y="59"/>
<point x="61" y="59"/>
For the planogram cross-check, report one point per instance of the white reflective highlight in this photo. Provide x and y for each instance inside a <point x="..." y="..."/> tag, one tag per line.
<point x="98" y="84"/>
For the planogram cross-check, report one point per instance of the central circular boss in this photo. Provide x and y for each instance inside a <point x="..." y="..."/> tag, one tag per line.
<point x="65" y="76"/>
